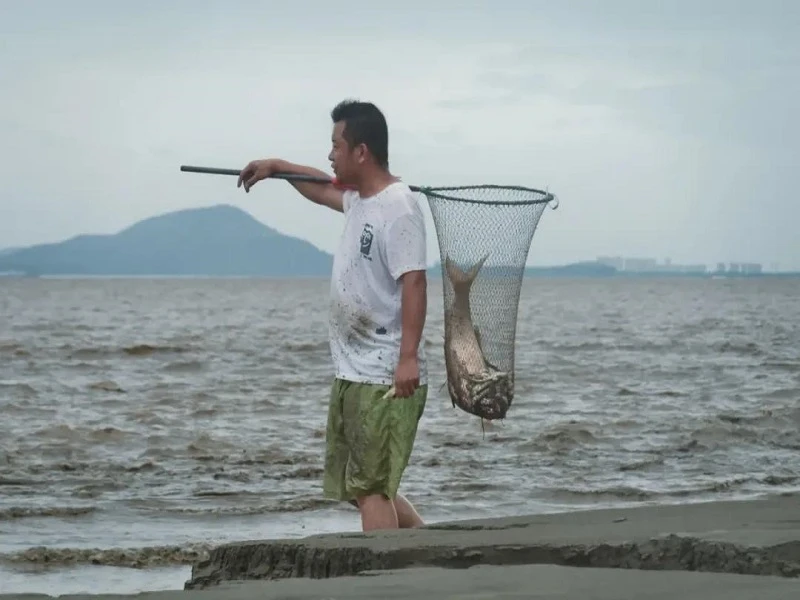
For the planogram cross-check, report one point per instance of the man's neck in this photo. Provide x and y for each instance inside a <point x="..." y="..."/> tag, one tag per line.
<point x="375" y="182"/>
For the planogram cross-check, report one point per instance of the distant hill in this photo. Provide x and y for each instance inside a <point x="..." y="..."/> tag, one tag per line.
<point x="216" y="241"/>
<point x="225" y="241"/>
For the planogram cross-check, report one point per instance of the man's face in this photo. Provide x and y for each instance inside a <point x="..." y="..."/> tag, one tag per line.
<point x="345" y="161"/>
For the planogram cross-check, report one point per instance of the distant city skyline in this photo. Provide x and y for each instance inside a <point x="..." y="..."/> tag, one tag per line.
<point x="652" y="265"/>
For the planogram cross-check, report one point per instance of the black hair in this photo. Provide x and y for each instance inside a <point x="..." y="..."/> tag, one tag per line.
<point x="364" y="123"/>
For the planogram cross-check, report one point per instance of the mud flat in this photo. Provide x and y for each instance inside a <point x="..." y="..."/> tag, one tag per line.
<point x="732" y="550"/>
<point x="754" y="537"/>
<point x="485" y="582"/>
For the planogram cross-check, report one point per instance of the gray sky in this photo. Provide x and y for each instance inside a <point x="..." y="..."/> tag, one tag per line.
<point x="666" y="129"/>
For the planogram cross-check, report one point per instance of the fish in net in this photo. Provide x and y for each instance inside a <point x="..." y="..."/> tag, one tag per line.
<point x="484" y="235"/>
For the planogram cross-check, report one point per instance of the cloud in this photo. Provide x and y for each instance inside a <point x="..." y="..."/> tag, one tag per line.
<point x="665" y="130"/>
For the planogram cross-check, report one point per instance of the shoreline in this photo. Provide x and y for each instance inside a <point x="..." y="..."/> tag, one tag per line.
<point x="178" y="548"/>
<point x="755" y="537"/>
<point x="755" y="542"/>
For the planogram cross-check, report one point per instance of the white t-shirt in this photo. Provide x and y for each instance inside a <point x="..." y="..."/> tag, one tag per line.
<point x="383" y="237"/>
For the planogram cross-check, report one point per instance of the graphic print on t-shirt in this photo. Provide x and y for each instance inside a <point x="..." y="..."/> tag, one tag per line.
<point x="366" y="241"/>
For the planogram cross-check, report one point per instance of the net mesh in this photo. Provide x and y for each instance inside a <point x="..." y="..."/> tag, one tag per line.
<point x="493" y="224"/>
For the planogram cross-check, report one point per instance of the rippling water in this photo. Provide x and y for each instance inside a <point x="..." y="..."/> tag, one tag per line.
<point x="146" y="419"/>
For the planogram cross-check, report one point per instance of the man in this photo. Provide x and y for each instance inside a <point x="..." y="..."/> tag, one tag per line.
<point x="377" y="313"/>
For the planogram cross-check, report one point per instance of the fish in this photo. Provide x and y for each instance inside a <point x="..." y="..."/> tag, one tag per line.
<point x="474" y="384"/>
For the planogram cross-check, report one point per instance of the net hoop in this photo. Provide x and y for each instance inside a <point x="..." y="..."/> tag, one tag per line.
<point x="530" y="195"/>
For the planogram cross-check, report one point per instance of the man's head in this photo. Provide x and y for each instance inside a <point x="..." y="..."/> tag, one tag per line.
<point x="360" y="141"/>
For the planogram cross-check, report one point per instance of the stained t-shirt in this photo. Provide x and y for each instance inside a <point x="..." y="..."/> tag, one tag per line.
<point x="383" y="237"/>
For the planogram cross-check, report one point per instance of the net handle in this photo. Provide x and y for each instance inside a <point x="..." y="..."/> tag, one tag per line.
<point x="238" y="172"/>
<point x="435" y="192"/>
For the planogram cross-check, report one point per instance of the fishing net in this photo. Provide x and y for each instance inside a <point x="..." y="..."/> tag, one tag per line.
<point x="483" y="231"/>
<point x="493" y="224"/>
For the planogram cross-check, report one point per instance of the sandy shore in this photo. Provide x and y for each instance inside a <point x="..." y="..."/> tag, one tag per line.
<point x="478" y="583"/>
<point x="746" y="549"/>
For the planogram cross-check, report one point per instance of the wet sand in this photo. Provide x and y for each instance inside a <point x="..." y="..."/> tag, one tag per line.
<point x="732" y="550"/>
<point x="478" y="583"/>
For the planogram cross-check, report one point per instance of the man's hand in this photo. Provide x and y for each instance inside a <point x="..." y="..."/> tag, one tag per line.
<point x="324" y="194"/>
<point x="406" y="377"/>
<point x="255" y="171"/>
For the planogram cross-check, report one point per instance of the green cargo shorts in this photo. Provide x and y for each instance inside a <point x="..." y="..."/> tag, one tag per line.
<point x="368" y="440"/>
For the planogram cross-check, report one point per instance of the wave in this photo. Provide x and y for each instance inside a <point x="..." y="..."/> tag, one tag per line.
<point x="24" y="512"/>
<point x="623" y="492"/>
<point x="740" y="348"/>
<point x="18" y="388"/>
<point x="561" y="437"/>
<point x="90" y="435"/>
<point x="138" y="558"/>
<point x="136" y="350"/>
<point x="13" y="348"/>
<point x="285" y="506"/>
<point x="106" y="386"/>
<point x="147" y="349"/>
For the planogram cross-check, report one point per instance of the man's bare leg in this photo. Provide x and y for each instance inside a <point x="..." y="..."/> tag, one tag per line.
<point x="377" y="512"/>
<point x="407" y="516"/>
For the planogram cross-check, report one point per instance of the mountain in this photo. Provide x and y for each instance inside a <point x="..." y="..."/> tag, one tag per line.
<point x="220" y="240"/>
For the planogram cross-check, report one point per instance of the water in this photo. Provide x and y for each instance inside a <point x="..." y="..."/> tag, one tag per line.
<point x="145" y="420"/>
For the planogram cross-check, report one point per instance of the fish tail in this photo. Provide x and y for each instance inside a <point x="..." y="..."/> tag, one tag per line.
<point x="462" y="282"/>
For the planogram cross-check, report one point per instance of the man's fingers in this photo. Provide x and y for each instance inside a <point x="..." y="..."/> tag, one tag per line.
<point x="245" y="173"/>
<point x="251" y="182"/>
<point x="404" y="389"/>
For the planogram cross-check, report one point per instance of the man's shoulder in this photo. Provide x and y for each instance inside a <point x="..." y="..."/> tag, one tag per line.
<point x="401" y="190"/>
<point x="402" y="200"/>
<point x="348" y="198"/>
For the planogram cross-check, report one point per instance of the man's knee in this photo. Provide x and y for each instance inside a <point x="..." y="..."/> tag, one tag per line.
<point x="367" y="499"/>
<point x="377" y="512"/>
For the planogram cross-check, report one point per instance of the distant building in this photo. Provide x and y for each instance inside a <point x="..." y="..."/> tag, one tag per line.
<point x="639" y="265"/>
<point x="692" y="268"/>
<point x="751" y="268"/>
<point x="651" y="265"/>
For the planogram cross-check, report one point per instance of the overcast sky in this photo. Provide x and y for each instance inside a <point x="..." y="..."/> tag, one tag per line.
<point x="666" y="129"/>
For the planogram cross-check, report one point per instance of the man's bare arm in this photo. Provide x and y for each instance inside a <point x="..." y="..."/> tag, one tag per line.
<point x="325" y="194"/>
<point x="414" y="305"/>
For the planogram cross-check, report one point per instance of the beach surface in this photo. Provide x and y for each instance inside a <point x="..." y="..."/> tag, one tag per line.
<point x="485" y="582"/>
<point x="739" y="549"/>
